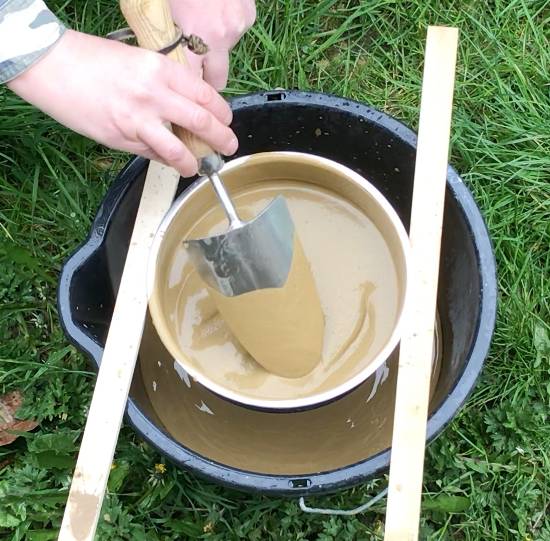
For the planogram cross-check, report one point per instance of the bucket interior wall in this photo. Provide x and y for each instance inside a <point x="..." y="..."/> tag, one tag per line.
<point x="363" y="142"/>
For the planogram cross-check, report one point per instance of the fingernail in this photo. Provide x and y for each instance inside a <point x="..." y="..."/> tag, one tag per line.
<point x="232" y="147"/>
<point x="189" y="170"/>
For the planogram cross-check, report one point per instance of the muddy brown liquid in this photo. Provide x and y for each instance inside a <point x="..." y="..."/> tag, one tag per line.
<point x="281" y="328"/>
<point x="354" y="275"/>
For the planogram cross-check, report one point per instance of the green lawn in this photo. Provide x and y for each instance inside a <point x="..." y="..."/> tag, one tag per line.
<point x="496" y="454"/>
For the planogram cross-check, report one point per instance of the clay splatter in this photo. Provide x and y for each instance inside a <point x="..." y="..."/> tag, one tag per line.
<point x="204" y="407"/>
<point x="381" y="375"/>
<point x="184" y="376"/>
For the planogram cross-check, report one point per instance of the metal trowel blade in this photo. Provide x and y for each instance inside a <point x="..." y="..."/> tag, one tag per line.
<point x="250" y="255"/>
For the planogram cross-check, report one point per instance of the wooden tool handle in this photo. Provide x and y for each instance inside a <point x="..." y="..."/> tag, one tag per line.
<point x="415" y="352"/>
<point x="154" y="28"/>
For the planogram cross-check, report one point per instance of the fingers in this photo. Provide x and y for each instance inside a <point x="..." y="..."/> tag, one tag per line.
<point x="169" y="149"/>
<point x="141" y="149"/>
<point x="150" y="155"/>
<point x="200" y="122"/>
<point x="216" y="69"/>
<point x="183" y="81"/>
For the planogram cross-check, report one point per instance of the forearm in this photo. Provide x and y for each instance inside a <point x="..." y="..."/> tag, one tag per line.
<point x="28" y="30"/>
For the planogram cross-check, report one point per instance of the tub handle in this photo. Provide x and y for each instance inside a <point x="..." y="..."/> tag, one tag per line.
<point x="344" y="512"/>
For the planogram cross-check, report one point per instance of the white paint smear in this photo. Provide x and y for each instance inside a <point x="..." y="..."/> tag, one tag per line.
<point x="204" y="407"/>
<point x="380" y="376"/>
<point x="184" y="376"/>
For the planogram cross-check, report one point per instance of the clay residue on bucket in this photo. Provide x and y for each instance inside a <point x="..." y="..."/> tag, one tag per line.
<point x="340" y="433"/>
<point x="354" y="274"/>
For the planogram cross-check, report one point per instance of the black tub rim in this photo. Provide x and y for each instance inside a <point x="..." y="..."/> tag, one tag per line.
<point x="322" y="482"/>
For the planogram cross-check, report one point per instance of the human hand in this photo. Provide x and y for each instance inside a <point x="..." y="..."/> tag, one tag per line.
<point x="220" y="24"/>
<point x="124" y="97"/>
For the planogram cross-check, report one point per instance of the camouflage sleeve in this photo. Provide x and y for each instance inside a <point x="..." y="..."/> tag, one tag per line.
<point x="28" y="29"/>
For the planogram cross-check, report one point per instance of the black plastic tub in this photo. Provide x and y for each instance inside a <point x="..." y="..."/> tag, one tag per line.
<point x="374" y="145"/>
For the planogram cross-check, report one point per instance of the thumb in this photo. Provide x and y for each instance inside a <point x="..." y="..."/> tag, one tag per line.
<point x="216" y="69"/>
<point x="194" y="61"/>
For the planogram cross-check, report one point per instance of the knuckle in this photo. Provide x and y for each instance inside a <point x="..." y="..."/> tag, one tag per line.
<point x="200" y="119"/>
<point x="142" y="93"/>
<point x="153" y="64"/>
<point x="173" y="153"/>
<point x="228" y="115"/>
<point x="121" y="125"/>
<point x="149" y="74"/>
<point x="251" y="11"/>
<point x="204" y="94"/>
<point x="220" y="33"/>
<point x="251" y="18"/>
<point x="241" y="27"/>
<point x="237" y="25"/>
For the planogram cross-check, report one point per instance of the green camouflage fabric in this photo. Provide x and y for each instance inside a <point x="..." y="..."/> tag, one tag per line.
<point x="28" y="29"/>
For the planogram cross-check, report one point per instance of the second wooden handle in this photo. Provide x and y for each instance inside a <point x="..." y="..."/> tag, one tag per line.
<point x="154" y="28"/>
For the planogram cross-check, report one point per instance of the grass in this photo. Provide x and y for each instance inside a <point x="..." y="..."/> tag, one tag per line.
<point x="488" y="476"/>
